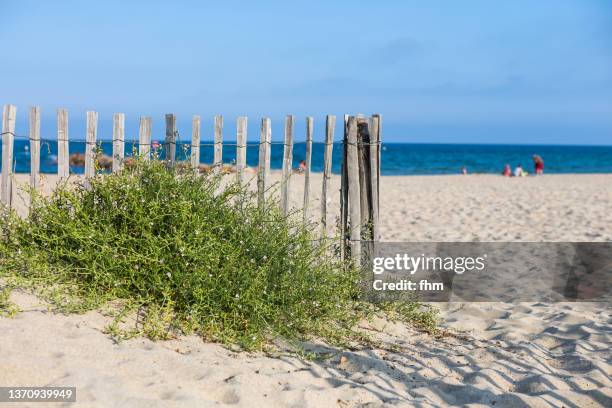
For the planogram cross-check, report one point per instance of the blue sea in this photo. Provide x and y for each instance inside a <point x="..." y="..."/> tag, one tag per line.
<point x="397" y="158"/>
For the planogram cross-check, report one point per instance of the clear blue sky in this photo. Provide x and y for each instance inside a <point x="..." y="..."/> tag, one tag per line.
<point x="439" y="71"/>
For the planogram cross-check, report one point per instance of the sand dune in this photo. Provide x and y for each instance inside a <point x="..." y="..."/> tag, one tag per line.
<point x="502" y="355"/>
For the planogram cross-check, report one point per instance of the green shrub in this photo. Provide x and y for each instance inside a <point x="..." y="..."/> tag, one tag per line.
<point x="191" y="253"/>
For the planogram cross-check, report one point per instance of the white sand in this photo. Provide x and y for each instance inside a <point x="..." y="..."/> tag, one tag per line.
<point x="530" y="354"/>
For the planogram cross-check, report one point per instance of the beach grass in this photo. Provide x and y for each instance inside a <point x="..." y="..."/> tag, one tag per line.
<point x="187" y="253"/>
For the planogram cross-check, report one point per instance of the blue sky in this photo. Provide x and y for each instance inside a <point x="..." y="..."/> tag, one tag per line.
<point x="438" y="71"/>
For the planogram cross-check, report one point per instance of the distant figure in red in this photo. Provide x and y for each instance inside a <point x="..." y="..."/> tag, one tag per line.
<point x="301" y="167"/>
<point x="539" y="164"/>
<point x="507" y="171"/>
<point x="464" y="170"/>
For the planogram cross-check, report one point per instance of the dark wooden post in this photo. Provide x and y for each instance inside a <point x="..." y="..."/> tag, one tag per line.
<point x="170" y="139"/>
<point x="360" y="188"/>
<point x="344" y="194"/>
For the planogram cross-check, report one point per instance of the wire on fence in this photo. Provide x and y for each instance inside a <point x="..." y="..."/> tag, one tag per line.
<point x="136" y="143"/>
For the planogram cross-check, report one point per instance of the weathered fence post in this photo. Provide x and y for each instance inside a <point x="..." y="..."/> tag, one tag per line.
<point x="170" y="142"/>
<point x="308" y="160"/>
<point x="263" y="169"/>
<point x="218" y="159"/>
<point x="63" y="165"/>
<point x="90" y="144"/>
<point x="195" y="143"/>
<point x="144" y="138"/>
<point x="330" y="125"/>
<point x="375" y="174"/>
<point x="35" y="147"/>
<point x="118" y="141"/>
<point x="287" y="164"/>
<point x="241" y="137"/>
<point x="8" y="136"/>
<point x="344" y="192"/>
<point x="352" y="166"/>
<point x="365" y="196"/>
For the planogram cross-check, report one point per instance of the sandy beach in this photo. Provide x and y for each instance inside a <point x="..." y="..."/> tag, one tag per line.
<point x="498" y="354"/>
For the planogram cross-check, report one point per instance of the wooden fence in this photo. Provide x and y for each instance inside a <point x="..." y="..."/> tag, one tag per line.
<point x="359" y="201"/>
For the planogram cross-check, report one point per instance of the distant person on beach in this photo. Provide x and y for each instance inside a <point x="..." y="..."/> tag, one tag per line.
<point x="538" y="164"/>
<point x="464" y="170"/>
<point x="507" y="171"/>
<point x="518" y="172"/>
<point x="301" y="167"/>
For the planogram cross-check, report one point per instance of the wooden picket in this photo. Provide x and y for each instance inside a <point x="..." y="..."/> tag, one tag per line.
<point x="195" y="142"/>
<point x="170" y="141"/>
<point x="35" y="147"/>
<point x="63" y="166"/>
<point x="308" y="159"/>
<point x="144" y="138"/>
<point x="9" y="114"/>
<point x="218" y="154"/>
<point x="263" y="170"/>
<point x="330" y="125"/>
<point x="241" y="140"/>
<point x="118" y="141"/>
<point x="90" y="144"/>
<point x="287" y="164"/>
<point x="352" y="168"/>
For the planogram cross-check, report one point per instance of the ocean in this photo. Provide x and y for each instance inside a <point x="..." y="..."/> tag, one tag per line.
<point x="397" y="158"/>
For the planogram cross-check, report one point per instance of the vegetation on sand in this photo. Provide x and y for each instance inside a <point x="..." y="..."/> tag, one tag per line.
<point x="186" y="253"/>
